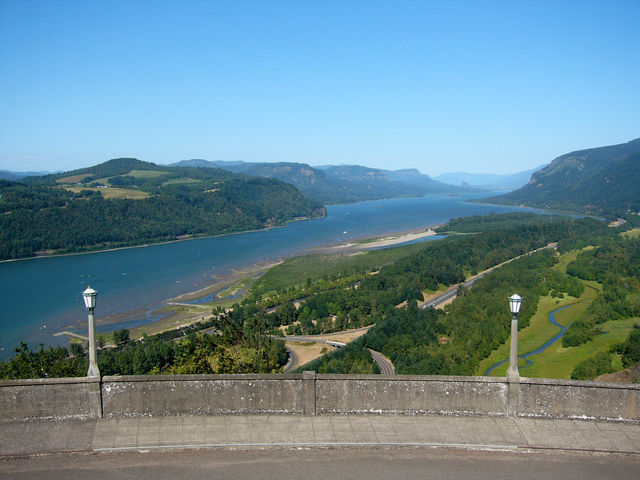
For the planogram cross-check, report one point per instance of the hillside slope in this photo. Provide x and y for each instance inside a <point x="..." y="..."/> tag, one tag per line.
<point x="601" y="180"/>
<point x="339" y="184"/>
<point x="129" y="202"/>
<point x="514" y="180"/>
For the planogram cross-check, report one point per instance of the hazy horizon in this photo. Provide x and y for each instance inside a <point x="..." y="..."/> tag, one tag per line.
<point x="480" y="87"/>
<point x="452" y="172"/>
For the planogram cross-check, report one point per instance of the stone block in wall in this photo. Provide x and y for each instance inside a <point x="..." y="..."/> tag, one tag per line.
<point x="55" y="398"/>
<point x="411" y="394"/>
<point x="579" y="399"/>
<point x="202" y="394"/>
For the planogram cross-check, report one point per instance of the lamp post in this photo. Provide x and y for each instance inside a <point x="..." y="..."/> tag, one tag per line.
<point x="515" y="301"/>
<point x="89" y="296"/>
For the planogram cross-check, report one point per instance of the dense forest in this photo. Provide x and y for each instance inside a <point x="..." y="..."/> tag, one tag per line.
<point x="492" y="222"/>
<point x="455" y="340"/>
<point x="601" y="180"/>
<point x="357" y="299"/>
<point x="427" y="341"/>
<point x="616" y="266"/>
<point x="128" y="202"/>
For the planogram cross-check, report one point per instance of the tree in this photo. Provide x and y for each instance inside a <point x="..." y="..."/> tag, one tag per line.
<point x="76" y="349"/>
<point x="121" y="336"/>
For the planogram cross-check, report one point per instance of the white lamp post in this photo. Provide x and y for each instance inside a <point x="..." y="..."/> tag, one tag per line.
<point x="89" y="296"/>
<point x="515" y="301"/>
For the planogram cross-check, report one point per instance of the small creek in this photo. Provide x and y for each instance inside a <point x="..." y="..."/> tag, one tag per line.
<point x="547" y="344"/>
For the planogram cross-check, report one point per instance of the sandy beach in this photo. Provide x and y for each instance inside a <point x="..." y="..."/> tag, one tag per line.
<point x="386" y="241"/>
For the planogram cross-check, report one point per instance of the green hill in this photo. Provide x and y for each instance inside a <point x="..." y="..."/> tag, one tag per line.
<point x="130" y="202"/>
<point x="600" y="180"/>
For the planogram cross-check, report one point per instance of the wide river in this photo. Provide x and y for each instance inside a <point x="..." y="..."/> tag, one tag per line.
<point x="39" y="297"/>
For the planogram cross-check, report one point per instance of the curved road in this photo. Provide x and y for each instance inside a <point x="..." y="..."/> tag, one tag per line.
<point x="386" y="367"/>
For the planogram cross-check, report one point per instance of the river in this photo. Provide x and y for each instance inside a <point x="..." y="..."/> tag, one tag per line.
<point x="41" y="296"/>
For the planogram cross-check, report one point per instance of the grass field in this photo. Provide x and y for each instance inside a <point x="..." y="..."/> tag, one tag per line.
<point x="182" y="181"/>
<point x="296" y="271"/>
<point x="557" y="361"/>
<point x="632" y="233"/>
<point x="234" y="293"/>
<point x="111" y="192"/>
<point x="540" y="330"/>
<point x="73" y="178"/>
<point x="147" y="173"/>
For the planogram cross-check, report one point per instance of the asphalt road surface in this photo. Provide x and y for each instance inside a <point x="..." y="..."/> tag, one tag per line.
<point x="443" y="297"/>
<point x="352" y="463"/>
<point x="386" y="367"/>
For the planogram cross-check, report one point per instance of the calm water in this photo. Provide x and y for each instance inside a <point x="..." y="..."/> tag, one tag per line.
<point x="42" y="296"/>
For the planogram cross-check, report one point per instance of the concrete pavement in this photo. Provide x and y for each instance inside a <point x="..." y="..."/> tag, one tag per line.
<point x="284" y="431"/>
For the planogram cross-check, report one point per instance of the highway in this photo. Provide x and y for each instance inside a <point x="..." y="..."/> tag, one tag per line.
<point x="386" y="367"/>
<point x="452" y="292"/>
<point x="310" y="338"/>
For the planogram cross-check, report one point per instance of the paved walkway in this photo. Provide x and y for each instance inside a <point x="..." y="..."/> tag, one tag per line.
<point x="38" y="436"/>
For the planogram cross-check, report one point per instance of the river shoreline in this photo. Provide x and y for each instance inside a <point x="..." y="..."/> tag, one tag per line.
<point x="160" y="242"/>
<point x="177" y="311"/>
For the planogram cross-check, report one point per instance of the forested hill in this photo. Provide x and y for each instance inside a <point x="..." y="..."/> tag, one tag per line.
<point x="340" y="184"/>
<point x="130" y="202"/>
<point x="600" y="180"/>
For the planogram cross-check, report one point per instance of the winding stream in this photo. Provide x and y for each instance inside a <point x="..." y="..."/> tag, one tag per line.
<point x="547" y="344"/>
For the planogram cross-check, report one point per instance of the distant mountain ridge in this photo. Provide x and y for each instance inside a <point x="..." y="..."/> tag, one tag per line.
<point x="514" y="180"/>
<point x="595" y="180"/>
<point x="339" y="183"/>
<point x="9" y="175"/>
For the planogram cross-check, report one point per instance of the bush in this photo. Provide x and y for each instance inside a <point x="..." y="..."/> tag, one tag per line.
<point x="593" y="367"/>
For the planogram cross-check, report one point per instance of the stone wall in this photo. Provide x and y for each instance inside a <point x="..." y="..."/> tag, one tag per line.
<point x="56" y="398"/>
<point x="312" y="394"/>
<point x="406" y="394"/>
<point x="539" y="397"/>
<point x="202" y="394"/>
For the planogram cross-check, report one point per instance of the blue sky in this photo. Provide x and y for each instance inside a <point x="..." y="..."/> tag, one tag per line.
<point x="444" y="86"/>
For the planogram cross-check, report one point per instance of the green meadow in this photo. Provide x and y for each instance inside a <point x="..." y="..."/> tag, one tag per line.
<point x="556" y="361"/>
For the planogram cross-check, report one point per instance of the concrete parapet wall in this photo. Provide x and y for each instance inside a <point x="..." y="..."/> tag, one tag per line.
<point x="55" y="398"/>
<point x="410" y="394"/>
<point x="312" y="394"/>
<point x="539" y="397"/>
<point x="202" y="394"/>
